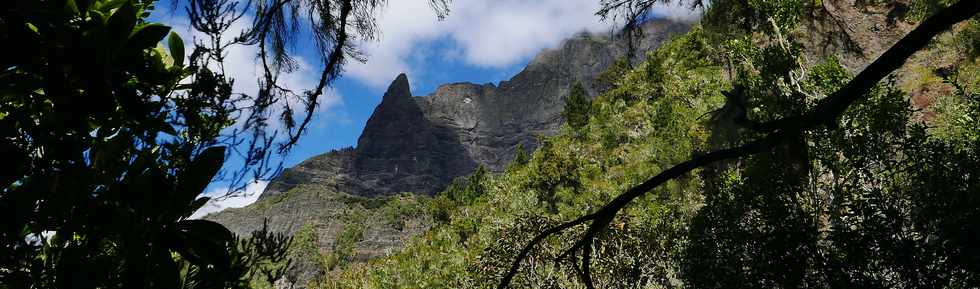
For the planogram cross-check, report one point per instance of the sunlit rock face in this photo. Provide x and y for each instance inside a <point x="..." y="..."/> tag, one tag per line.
<point x="403" y="150"/>
<point x="420" y="143"/>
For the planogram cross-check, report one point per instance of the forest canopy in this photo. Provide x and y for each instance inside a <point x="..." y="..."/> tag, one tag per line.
<point x="110" y="131"/>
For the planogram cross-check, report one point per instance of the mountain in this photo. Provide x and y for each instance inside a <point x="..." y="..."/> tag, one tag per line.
<point x="864" y="192"/>
<point x="419" y="144"/>
<point x="855" y="204"/>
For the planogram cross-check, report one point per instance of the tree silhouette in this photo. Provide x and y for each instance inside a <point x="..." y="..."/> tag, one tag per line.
<point x="274" y="117"/>
<point x="109" y="138"/>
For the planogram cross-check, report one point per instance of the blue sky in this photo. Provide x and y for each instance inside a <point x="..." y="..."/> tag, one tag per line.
<point x="479" y="41"/>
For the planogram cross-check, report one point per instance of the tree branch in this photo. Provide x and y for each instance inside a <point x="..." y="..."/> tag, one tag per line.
<point x="825" y="114"/>
<point x="330" y="72"/>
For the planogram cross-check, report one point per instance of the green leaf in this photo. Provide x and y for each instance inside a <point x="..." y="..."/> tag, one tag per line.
<point x="166" y="273"/>
<point x="147" y="36"/>
<point x="121" y="25"/>
<point x="161" y="52"/>
<point x="98" y="16"/>
<point x="195" y="205"/>
<point x="176" y="48"/>
<point x="196" y="177"/>
<point x="107" y="6"/>
<point x="71" y="9"/>
<point x="33" y="28"/>
<point x="202" y="242"/>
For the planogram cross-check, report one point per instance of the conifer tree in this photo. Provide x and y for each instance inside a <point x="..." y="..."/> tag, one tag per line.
<point x="577" y="106"/>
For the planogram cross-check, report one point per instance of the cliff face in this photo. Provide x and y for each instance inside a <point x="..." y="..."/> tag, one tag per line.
<point x="419" y="144"/>
<point x="403" y="150"/>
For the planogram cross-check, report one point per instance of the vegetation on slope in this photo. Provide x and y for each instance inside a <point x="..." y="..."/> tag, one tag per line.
<point x="888" y="200"/>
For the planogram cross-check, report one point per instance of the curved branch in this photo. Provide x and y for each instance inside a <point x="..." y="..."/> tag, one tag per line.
<point x="330" y="72"/>
<point x="601" y="218"/>
<point x="825" y="114"/>
<point x="830" y="108"/>
<point x="534" y="242"/>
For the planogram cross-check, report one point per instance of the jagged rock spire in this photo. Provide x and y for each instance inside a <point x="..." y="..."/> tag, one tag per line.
<point x="399" y="88"/>
<point x="419" y="144"/>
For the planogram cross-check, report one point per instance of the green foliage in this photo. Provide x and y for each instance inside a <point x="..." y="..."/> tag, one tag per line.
<point x="399" y="209"/>
<point x="556" y="172"/>
<point x="520" y="158"/>
<point x="968" y="38"/>
<point x="482" y="222"/>
<point x="344" y="247"/>
<point x="836" y="208"/>
<point x="865" y="226"/>
<point x="954" y="114"/>
<point x="107" y="152"/>
<point x="739" y="17"/>
<point x="474" y="188"/>
<point x="920" y="9"/>
<point x="459" y="193"/>
<point x="610" y="78"/>
<point x="887" y="200"/>
<point x="366" y="202"/>
<point x="578" y="107"/>
<point x="264" y="256"/>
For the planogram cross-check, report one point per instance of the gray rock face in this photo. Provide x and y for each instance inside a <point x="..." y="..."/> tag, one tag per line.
<point x="419" y="144"/>
<point x="403" y="150"/>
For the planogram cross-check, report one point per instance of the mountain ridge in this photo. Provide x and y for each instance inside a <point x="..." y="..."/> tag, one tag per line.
<point x="418" y="145"/>
<point x="423" y="144"/>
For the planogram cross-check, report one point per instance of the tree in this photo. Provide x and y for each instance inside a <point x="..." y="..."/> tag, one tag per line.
<point x="577" y="107"/>
<point x="520" y="157"/>
<point x="780" y="135"/>
<point x="273" y="118"/>
<point x="109" y="152"/>
<point x="109" y="138"/>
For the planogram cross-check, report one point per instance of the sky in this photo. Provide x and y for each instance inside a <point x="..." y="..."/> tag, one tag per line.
<point x="480" y="41"/>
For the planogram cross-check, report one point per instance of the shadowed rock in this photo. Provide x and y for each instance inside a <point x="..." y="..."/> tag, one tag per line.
<point x="419" y="144"/>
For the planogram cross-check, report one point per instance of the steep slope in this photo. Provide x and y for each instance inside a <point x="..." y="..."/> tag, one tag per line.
<point x="419" y="144"/>
<point x="741" y="227"/>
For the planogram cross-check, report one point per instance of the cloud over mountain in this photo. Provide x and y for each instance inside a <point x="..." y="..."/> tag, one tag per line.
<point x="479" y="33"/>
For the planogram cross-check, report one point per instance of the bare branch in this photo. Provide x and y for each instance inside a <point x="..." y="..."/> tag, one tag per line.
<point x="276" y="115"/>
<point x="634" y="13"/>
<point x="330" y="72"/>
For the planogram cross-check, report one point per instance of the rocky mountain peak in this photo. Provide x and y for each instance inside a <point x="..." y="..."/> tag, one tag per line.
<point x="420" y="144"/>
<point x="398" y="89"/>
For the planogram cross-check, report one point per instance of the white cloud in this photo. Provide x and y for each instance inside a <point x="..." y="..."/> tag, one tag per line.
<point x="487" y="34"/>
<point x="241" y="64"/>
<point x="221" y="200"/>
<point x="484" y="33"/>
